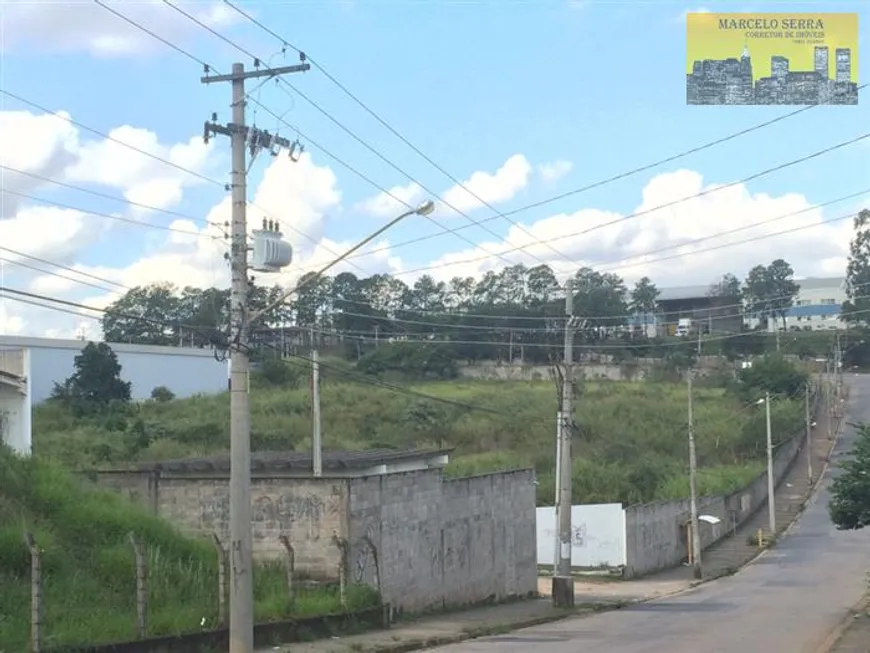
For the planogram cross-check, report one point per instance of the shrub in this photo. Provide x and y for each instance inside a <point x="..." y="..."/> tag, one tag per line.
<point x="162" y="394"/>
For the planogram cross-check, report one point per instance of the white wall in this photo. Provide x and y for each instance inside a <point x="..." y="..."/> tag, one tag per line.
<point x="184" y="370"/>
<point x="15" y="407"/>
<point x="598" y="535"/>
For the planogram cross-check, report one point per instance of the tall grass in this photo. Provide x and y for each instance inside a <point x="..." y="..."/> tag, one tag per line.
<point x="89" y="567"/>
<point x="631" y="444"/>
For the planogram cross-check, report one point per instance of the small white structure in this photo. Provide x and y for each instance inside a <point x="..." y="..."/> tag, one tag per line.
<point x="15" y="400"/>
<point x="597" y="537"/>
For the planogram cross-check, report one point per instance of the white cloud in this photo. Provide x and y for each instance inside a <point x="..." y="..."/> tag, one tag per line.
<point x="493" y="188"/>
<point x="554" y="170"/>
<point x="385" y="205"/>
<point x="816" y="251"/>
<point x="302" y="196"/>
<point x="75" y="26"/>
<point x="142" y="179"/>
<point x="41" y="145"/>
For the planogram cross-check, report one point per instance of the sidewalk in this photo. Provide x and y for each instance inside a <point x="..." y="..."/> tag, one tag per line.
<point x="442" y="629"/>
<point x="592" y="595"/>
<point x="733" y="552"/>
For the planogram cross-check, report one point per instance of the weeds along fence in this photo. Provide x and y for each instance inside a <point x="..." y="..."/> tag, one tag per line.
<point x="135" y="593"/>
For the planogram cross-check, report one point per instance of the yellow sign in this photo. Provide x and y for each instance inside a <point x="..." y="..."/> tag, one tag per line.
<point x="796" y="59"/>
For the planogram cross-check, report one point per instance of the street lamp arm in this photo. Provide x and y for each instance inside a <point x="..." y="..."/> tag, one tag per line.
<point x="424" y="209"/>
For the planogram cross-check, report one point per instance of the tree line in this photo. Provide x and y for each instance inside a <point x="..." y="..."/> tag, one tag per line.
<point x="517" y="311"/>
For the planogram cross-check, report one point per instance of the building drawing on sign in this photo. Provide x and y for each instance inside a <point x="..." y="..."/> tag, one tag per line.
<point x="730" y="81"/>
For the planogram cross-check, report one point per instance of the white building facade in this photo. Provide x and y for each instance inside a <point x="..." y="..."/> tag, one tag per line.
<point x="29" y="368"/>
<point x="817" y="306"/>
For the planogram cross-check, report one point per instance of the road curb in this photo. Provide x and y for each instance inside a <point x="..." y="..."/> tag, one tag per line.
<point x="837" y="634"/>
<point x="588" y="610"/>
<point x="421" y="644"/>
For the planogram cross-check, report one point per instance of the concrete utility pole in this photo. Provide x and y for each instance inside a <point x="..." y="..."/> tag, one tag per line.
<point x="317" y="435"/>
<point x="771" y="497"/>
<point x="241" y="554"/>
<point x="563" y="581"/>
<point x="809" y="424"/>
<point x="693" y="488"/>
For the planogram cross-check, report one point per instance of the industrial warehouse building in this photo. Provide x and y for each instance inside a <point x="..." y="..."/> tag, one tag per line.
<point x="29" y="368"/>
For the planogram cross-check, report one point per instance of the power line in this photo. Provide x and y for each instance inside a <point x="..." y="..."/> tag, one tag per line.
<point x="207" y="67"/>
<point x="637" y="214"/>
<point x="643" y="212"/>
<point x="21" y="264"/>
<point x="356" y="137"/>
<point x="416" y="149"/>
<point x="705" y="146"/>
<point x="539" y="241"/>
<point x="95" y="193"/>
<point x="96" y="132"/>
<point x="34" y="299"/>
<point x="157" y="158"/>
<point x="109" y="216"/>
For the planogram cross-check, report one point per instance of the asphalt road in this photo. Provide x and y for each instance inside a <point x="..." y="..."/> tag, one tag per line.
<point x="787" y="601"/>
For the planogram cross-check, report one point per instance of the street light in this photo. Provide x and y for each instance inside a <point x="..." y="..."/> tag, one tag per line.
<point x="771" y="499"/>
<point x="424" y="209"/>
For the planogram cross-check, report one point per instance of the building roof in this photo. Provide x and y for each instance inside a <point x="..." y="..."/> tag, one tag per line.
<point x="697" y="292"/>
<point x="15" y="342"/>
<point x="296" y="460"/>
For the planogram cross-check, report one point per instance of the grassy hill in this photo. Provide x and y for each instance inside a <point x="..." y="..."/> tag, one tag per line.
<point x="631" y="447"/>
<point x="88" y="565"/>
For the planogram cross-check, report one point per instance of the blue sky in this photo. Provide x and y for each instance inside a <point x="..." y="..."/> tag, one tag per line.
<point x="598" y="84"/>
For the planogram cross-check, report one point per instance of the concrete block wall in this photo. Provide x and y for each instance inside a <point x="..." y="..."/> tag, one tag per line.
<point x="307" y="511"/>
<point x="655" y="532"/>
<point x="444" y="542"/>
<point x="438" y="542"/>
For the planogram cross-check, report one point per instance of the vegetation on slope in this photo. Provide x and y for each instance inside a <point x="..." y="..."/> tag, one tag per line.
<point x="631" y="445"/>
<point x="89" y="570"/>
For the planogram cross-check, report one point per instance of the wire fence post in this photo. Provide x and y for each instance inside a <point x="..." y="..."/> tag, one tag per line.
<point x="35" y="593"/>
<point x="375" y="560"/>
<point x="222" y="579"/>
<point x="291" y="565"/>
<point x="341" y="543"/>
<point x="141" y="586"/>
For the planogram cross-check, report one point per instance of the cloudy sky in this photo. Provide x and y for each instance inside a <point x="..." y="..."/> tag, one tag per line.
<point x="528" y="105"/>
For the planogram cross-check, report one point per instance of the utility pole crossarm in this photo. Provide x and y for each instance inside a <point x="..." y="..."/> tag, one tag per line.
<point x="256" y="73"/>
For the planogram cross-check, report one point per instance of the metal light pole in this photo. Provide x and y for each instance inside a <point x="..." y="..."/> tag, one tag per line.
<point x="771" y="497"/>
<point x="809" y="426"/>
<point x="563" y="581"/>
<point x="693" y="488"/>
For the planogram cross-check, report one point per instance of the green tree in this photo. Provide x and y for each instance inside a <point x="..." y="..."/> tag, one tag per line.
<point x="783" y="288"/>
<point x="644" y="300"/>
<point x="856" y="309"/>
<point x="96" y="382"/>
<point x="769" y="291"/>
<point x="600" y="297"/>
<point x="727" y="287"/>
<point x="772" y="373"/>
<point x="850" y="493"/>
<point x="144" y="315"/>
